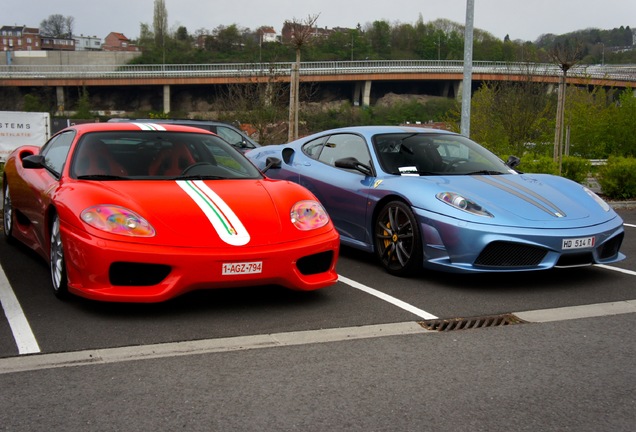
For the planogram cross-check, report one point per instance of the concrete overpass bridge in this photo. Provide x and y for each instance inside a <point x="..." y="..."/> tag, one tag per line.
<point x="360" y="75"/>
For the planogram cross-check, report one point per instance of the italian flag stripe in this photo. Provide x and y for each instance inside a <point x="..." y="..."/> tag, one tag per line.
<point x="150" y="126"/>
<point x="223" y="219"/>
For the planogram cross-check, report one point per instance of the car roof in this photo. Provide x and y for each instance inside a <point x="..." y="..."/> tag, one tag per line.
<point x="375" y="129"/>
<point x="174" y="121"/>
<point x="135" y="126"/>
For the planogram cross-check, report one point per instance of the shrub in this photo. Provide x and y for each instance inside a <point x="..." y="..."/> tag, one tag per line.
<point x="618" y="177"/>
<point x="575" y="168"/>
<point x="572" y="167"/>
<point x="538" y="164"/>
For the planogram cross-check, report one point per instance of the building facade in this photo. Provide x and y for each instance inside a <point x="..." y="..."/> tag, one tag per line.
<point x="118" y="42"/>
<point x="20" y="38"/>
<point x="87" y="43"/>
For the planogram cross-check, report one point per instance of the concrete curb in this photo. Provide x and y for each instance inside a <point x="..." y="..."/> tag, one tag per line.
<point x="624" y="205"/>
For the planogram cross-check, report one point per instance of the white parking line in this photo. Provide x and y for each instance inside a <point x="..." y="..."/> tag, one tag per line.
<point x="629" y="272"/>
<point x="629" y="225"/>
<point x="399" y="303"/>
<point x="24" y="337"/>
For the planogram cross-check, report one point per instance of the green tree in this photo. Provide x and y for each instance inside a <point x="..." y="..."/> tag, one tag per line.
<point x="160" y="23"/>
<point x="228" y="40"/>
<point x="486" y="128"/>
<point x="379" y="36"/>
<point x="403" y="42"/>
<point x="83" y="109"/>
<point x="509" y="117"/>
<point x="34" y="103"/>
<point x="621" y="125"/>
<point x="587" y="118"/>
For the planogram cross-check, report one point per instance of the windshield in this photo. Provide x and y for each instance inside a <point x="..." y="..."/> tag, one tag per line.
<point x="435" y="154"/>
<point x="158" y="155"/>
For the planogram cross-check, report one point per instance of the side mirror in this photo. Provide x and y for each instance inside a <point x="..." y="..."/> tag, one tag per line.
<point x="355" y="164"/>
<point x="33" y="162"/>
<point x="273" y="163"/>
<point x="513" y="161"/>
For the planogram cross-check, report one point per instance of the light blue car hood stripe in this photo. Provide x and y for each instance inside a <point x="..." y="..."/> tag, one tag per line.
<point x="516" y="190"/>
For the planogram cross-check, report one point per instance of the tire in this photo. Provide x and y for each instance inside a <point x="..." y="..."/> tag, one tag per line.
<point x="57" y="264"/>
<point x="398" y="243"/>
<point x="7" y="213"/>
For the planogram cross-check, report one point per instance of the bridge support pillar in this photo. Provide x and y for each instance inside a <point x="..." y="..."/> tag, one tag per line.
<point x="166" y="99"/>
<point x="357" y="94"/>
<point x="366" y="94"/>
<point x="59" y="94"/>
<point x="362" y="94"/>
<point x="445" y="89"/>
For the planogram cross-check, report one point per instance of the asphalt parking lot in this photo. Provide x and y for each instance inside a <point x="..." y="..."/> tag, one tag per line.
<point x="354" y="356"/>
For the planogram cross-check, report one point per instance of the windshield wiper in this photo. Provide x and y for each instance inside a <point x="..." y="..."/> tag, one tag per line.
<point x="485" y="172"/>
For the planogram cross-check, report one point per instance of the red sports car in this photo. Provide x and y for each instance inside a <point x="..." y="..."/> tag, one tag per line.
<point x="141" y="212"/>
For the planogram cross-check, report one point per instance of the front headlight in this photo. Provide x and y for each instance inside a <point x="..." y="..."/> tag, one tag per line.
<point x="597" y="198"/>
<point x="308" y="215"/>
<point x="117" y="220"/>
<point x="462" y="203"/>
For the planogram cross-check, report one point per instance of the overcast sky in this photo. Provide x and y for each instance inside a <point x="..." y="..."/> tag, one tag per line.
<point x="520" y="19"/>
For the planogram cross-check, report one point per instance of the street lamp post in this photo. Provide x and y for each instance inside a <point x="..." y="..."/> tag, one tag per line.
<point x="468" y="68"/>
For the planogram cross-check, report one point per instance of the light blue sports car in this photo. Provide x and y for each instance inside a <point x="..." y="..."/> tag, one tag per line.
<point x="424" y="198"/>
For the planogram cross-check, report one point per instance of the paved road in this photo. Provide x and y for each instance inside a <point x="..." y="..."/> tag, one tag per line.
<point x="350" y="357"/>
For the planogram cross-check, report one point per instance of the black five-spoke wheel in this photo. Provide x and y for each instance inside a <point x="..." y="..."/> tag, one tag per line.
<point x="397" y="239"/>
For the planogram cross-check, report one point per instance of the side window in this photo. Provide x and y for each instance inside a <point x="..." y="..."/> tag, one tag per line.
<point x="229" y="135"/>
<point x="313" y="148"/>
<point x="344" y="146"/>
<point x="56" y="150"/>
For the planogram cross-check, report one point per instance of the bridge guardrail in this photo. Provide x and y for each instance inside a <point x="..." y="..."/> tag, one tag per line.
<point x="622" y="73"/>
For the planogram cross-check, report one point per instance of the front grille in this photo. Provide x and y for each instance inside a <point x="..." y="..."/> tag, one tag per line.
<point x="470" y="323"/>
<point x="611" y="247"/>
<point x="314" y="264"/>
<point x="137" y="274"/>
<point x="505" y="254"/>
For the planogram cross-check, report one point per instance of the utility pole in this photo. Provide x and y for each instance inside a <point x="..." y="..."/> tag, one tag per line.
<point x="468" y="68"/>
<point x="294" y="103"/>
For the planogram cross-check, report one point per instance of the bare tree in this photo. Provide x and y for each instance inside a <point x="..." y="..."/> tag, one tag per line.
<point x="302" y="33"/>
<point x="565" y="53"/>
<point x="57" y="25"/>
<point x="259" y="106"/>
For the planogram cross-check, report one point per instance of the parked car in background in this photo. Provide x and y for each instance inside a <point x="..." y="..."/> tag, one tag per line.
<point x="143" y="212"/>
<point x="228" y="132"/>
<point x="425" y="198"/>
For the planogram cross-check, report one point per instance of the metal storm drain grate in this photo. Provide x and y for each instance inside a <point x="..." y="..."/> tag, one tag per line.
<point x="470" y="323"/>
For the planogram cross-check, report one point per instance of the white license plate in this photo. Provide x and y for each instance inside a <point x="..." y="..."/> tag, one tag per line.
<point x="242" y="268"/>
<point x="578" y="243"/>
